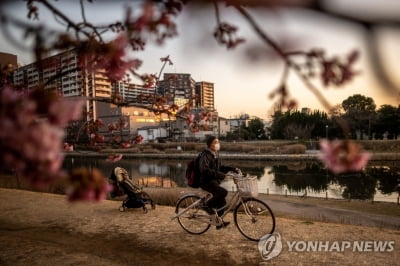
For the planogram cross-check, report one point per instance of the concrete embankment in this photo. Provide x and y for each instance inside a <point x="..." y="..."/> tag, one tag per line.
<point x="308" y="156"/>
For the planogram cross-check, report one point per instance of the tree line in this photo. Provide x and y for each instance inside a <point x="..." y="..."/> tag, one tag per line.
<point x="358" y="112"/>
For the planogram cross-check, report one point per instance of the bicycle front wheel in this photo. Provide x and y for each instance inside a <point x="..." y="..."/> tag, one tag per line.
<point x="195" y="220"/>
<point x="254" y="218"/>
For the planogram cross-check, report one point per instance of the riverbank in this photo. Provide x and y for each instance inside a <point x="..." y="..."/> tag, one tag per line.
<point x="308" y="156"/>
<point x="44" y="229"/>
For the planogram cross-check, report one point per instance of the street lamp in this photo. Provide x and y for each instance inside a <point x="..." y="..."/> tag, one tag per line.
<point x="326" y="127"/>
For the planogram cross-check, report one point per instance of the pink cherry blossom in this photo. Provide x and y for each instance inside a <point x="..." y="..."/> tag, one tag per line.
<point x="138" y="139"/>
<point x="114" y="157"/>
<point x="125" y="145"/>
<point x="190" y="119"/>
<point x="87" y="185"/>
<point x="58" y="113"/>
<point x="30" y="142"/>
<point x="111" y="58"/>
<point x="68" y="147"/>
<point x="343" y="156"/>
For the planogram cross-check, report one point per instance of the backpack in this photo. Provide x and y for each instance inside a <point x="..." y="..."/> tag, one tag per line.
<point x="193" y="172"/>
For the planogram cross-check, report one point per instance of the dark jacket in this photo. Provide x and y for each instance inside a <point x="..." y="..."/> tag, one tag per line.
<point x="210" y="167"/>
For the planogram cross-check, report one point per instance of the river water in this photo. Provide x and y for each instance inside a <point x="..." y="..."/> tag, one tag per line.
<point x="380" y="181"/>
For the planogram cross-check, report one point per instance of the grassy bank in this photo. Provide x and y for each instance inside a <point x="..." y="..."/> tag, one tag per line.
<point x="248" y="147"/>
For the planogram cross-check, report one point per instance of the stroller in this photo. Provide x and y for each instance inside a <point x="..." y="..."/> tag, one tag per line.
<point x="122" y="184"/>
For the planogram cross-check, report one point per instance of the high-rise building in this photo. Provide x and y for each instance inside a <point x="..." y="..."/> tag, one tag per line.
<point x="205" y="94"/>
<point x="133" y="92"/>
<point x="8" y="62"/>
<point x="8" y="59"/>
<point x="61" y="73"/>
<point x="179" y="87"/>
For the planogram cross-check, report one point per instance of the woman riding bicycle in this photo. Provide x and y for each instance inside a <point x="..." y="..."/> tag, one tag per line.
<point x="212" y="172"/>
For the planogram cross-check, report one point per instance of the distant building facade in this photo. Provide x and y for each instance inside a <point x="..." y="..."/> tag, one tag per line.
<point x="133" y="93"/>
<point x="224" y="126"/>
<point x="178" y="87"/>
<point x="8" y="62"/>
<point x="73" y="83"/>
<point x="152" y="133"/>
<point x="135" y="118"/>
<point x="306" y="110"/>
<point x="8" y="59"/>
<point x="62" y="74"/>
<point x="205" y="94"/>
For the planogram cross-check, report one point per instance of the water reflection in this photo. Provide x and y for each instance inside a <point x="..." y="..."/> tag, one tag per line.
<point x="376" y="182"/>
<point x="304" y="176"/>
<point x="380" y="180"/>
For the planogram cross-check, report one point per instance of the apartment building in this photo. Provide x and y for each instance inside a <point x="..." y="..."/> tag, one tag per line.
<point x="8" y="59"/>
<point x="61" y="74"/>
<point x="179" y="87"/>
<point x="205" y="94"/>
<point x="131" y="92"/>
<point x="7" y="62"/>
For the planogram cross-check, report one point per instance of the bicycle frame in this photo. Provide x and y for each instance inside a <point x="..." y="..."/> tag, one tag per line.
<point x="252" y="217"/>
<point x="188" y="207"/>
<point x="235" y="199"/>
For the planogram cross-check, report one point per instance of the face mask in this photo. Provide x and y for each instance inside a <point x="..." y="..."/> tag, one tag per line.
<point x="217" y="147"/>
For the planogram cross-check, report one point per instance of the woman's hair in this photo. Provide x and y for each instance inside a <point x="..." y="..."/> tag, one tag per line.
<point x="210" y="139"/>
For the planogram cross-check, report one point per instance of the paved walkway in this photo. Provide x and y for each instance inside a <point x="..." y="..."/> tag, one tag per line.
<point x="309" y="155"/>
<point x="314" y="212"/>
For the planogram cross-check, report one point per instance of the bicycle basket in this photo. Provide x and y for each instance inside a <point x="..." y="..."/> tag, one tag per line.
<point x="248" y="185"/>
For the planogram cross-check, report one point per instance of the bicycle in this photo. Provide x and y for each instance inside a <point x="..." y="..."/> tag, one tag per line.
<point x="252" y="217"/>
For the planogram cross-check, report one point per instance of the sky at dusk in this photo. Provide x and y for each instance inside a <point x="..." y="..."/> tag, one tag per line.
<point x="242" y="78"/>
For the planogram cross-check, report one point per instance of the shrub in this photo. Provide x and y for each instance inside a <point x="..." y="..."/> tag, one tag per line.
<point x="150" y="150"/>
<point x="173" y="151"/>
<point x="381" y="145"/>
<point x="165" y="196"/>
<point x="293" y="149"/>
<point x="268" y="149"/>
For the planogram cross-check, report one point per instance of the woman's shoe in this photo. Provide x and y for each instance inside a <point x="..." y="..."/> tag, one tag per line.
<point x="224" y="224"/>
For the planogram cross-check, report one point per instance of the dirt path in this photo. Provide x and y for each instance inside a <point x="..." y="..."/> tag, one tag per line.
<point x="315" y="212"/>
<point x="43" y="229"/>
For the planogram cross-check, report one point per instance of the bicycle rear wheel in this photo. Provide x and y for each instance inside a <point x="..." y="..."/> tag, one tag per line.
<point x="195" y="220"/>
<point x="254" y="218"/>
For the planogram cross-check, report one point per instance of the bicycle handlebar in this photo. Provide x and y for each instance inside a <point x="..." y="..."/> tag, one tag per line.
<point x="235" y="176"/>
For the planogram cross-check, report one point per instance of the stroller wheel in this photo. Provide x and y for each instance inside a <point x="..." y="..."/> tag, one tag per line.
<point x="122" y="208"/>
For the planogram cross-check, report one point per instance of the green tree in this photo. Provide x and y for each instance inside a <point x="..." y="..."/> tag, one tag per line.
<point x="297" y="124"/>
<point x="388" y="120"/>
<point x="359" y="114"/>
<point x="256" y="129"/>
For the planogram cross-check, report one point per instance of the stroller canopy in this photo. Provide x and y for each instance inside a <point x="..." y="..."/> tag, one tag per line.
<point x="121" y="174"/>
